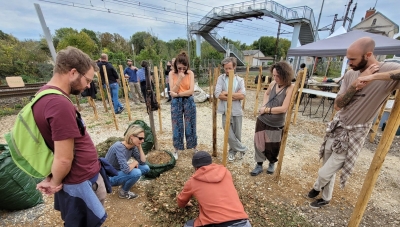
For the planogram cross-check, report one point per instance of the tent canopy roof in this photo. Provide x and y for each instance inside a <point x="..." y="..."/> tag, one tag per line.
<point x="337" y="46"/>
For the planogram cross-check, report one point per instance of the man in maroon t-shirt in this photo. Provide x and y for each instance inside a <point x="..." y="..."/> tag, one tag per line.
<point x="75" y="180"/>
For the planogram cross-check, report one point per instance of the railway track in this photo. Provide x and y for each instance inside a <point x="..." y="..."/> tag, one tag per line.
<point x="28" y="90"/>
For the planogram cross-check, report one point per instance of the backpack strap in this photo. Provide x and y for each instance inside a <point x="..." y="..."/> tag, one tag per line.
<point x="40" y="94"/>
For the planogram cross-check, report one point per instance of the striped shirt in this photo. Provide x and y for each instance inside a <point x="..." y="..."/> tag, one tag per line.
<point x="141" y="75"/>
<point x="118" y="156"/>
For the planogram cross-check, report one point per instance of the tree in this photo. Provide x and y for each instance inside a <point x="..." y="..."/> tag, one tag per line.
<point x="81" y="41"/>
<point x="61" y="33"/>
<point x="138" y="38"/>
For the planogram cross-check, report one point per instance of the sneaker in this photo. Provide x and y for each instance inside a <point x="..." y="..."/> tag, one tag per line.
<point x="120" y="110"/>
<point x="319" y="203"/>
<point x="271" y="168"/>
<point x="231" y="157"/>
<point x="175" y="154"/>
<point x="313" y="193"/>
<point x="240" y="155"/>
<point x="126" y="195"/>
<point x="257" y="170"/>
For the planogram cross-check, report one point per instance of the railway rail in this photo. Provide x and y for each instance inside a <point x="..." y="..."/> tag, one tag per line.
<point x="28" y="90"/>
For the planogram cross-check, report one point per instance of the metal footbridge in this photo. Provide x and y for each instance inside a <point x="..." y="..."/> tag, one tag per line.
<point x="301" y="18"/>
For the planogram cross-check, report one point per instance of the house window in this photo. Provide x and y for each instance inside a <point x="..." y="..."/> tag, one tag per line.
<point x="373" y="22"/>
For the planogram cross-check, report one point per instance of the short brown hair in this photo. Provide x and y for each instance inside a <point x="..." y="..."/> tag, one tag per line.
<point x="183" y="59"/>
<point x="285" y="72"/>
<point x="73" y="58"/>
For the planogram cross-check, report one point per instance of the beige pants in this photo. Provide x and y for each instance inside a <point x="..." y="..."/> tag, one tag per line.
<point x="136" y="92"/>
<point x="333" y="162"/>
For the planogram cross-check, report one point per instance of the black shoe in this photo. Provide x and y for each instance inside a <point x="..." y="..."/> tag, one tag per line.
<point x="319" y="203"/>
<point x="313" y="193"/>
<point x="120" y="110"/>
<point x="169" y="100"/>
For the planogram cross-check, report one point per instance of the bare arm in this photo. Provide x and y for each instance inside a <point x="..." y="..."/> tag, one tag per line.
<point x="391" y="75"/>
<point x="174" y="87"/>
<point x="142" y="155"/>
<point x="191" y="89"/>
<point x="63" y="156"/>
<point x="280" y="109"/>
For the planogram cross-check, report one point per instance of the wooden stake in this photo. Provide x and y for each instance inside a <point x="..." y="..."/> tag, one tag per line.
<point x="93" y="105"/>
<point x="125" y="85"/>
<point x="245" y="84"/>
<point x="77" y="103"/>
<point x="277" y="174"/>
<point x="158" y="96"/>
<point x="376" y="164"/>
<point x="214" y="114"/>
<point x="101" y="92"/>
<point x="162" y="82"/>
<point x="210" y="80"/>
<point x="258" y="91"/>
<point x="303" y="79"/>
<point x="109" y="97"/>
<point x="374" y="127"/>
<point x="228" y="116"/>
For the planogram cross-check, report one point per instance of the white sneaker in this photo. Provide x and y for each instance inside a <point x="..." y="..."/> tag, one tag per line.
<point x="231" y="157"/>
<point x="175" y="155"/>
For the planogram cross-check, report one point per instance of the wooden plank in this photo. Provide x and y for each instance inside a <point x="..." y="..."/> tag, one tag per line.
<point x="15" y="81"/>
<point x="228" y="111"/>
<point x="125" y="86"/>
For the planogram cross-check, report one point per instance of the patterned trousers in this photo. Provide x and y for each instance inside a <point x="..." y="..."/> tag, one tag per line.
<point x="183" y="109"/>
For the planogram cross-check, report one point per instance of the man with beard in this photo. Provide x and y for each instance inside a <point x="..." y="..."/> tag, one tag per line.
<point x="357" y="103"/>
<point x="134" y="85"/>
<point x="78" y="188"/>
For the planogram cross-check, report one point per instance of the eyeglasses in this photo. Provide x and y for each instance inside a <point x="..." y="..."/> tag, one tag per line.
<point x="182" y="68"/>
<point x="140" y="138"/>
<point x="88" y="81"/>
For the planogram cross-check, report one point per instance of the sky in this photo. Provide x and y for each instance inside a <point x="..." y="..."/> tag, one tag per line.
<point x="166" y="19"/>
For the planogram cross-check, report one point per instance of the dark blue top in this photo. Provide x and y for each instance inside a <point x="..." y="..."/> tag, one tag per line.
<point x="118" y="156"/>
<point x="132" y="74"/>
<point x="141" y="74"/>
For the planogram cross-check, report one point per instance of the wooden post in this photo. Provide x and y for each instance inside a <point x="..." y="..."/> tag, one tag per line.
<point x="158" y="96"/>
<point x="101" y="92"/>
<point x="258" y="91"/>
<point x="149" y="94"/>
<point x="93" y="105"/>
<point x="128" y="106"/>
<point x="245" y="84"/>
<point x="374" y="127"/>
<point x="162" y="82"/>
<point x="376" y="164"/>
<point x="303" y="78"/>
<point x="228" y="116"/>
<point x="214" y="114"/>
<point x="286" y="131"/>
<point x="210" y="80"/>
<point x="109" y="97"/>
<point x="77" y="103"/>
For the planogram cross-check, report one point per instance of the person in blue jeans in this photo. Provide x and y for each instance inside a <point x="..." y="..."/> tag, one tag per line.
<point x="118" y="156"/>
<point x="113" y="81"/>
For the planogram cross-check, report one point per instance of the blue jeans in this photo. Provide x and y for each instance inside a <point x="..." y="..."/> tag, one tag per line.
<point x="128" y="180"/>
<point x="114" y="89"/>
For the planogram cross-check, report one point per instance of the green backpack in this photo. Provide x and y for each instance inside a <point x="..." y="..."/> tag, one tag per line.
<point x="27" y="146"/>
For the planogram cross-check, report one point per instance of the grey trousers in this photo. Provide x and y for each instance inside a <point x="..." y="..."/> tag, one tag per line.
<point x="332" y="163"/>
<point x="235" y="134"/>
<point x="244" y="223"/>
<point x="136" y="92"/>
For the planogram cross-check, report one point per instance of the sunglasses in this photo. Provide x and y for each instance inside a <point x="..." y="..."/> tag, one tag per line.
<point x="140" y="138"/>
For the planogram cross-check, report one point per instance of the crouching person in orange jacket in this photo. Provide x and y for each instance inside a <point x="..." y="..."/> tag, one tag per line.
<point x="212" y="185"/>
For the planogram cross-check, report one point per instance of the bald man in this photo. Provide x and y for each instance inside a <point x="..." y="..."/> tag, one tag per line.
<point x="362" y="93"/>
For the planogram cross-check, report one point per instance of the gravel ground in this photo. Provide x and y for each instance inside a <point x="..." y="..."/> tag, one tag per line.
<point x="299" y="170"/>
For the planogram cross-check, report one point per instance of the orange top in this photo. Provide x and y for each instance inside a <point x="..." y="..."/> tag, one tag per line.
<point x="219" y="202"/>
<point x="185" y="82"/>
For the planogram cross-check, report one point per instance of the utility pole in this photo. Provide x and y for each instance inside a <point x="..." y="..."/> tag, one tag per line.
<point x="319" y="18"/>
<point x="277" y="41"/>
<point x="352" y="17"/>
<point x="46" y="32"/>
<point x="333" y="24"/>
<point x="347" y="13"/>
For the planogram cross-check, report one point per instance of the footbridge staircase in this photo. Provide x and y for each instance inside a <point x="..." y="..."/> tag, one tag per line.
<point x="301" y="18"/>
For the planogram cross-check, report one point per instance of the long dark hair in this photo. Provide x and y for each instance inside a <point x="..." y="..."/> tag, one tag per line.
<point x="183" y="59"/>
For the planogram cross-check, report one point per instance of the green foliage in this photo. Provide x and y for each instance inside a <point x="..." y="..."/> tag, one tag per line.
<point x="267" y="45"/>
<point x="79" y="40"/>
